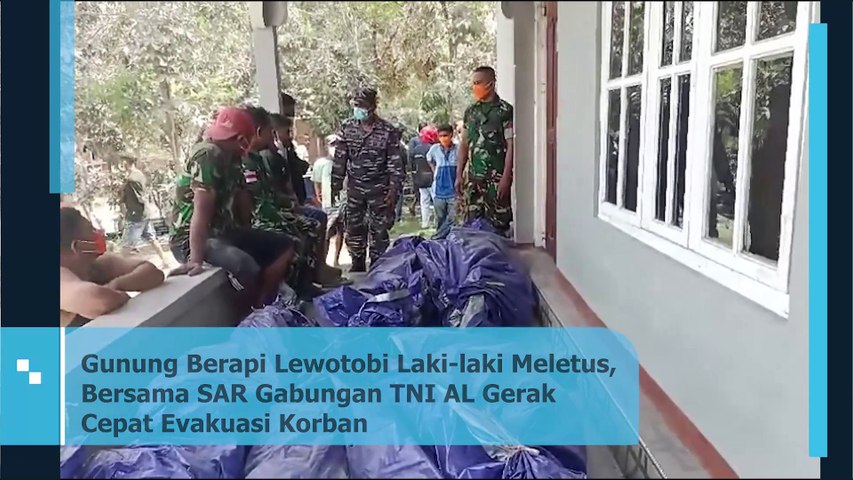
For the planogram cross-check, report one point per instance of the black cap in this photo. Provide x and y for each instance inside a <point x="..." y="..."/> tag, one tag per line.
<point x="366" y="94"/>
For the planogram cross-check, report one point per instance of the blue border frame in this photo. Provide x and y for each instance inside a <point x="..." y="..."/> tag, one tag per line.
<point x="818" y="240"/>
<point x="62" y="96"/>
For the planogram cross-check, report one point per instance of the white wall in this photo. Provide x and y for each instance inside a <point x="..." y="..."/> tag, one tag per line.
<point x="738" y="371"/>
<point x="516" y="84"/>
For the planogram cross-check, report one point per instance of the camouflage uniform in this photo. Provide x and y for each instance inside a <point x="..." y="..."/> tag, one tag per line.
<point x="273" y="211"/>
<point x="370" y="159"/>
<point x="211" y="167"/>
<point x="489" y="126"/>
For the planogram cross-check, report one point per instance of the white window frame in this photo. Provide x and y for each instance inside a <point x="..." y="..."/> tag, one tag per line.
<point x="759" y="279"/>
<point x="608" y="210"/>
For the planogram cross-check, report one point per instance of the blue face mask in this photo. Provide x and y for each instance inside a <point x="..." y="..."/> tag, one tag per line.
<point x="360" y="113"/>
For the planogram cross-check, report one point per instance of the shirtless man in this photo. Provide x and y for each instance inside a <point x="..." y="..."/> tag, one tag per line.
<point x="92" y="282"/>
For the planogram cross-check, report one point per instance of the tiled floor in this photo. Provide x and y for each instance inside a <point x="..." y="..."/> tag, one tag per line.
<point x="674" y="458"/>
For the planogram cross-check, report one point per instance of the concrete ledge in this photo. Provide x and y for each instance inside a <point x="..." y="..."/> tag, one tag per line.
<point x="206" y="300"/>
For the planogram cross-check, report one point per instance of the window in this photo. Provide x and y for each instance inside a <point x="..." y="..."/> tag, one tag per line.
<point x="702" y="115"/>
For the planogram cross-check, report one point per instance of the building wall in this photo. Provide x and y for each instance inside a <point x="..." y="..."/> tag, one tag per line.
<point x="516" y="84"/>
<point x="738" y="371"/>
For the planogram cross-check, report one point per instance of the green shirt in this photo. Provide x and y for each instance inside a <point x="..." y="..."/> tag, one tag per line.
<point x="208" y="167"/>
<point x="489" y="126"/>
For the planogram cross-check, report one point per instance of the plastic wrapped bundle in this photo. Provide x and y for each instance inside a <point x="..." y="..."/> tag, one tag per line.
<point x="394" y="308"/>
<point x="276" y="314"/>
<point x="393" y="461"/>
<point x="296" y="461"/>
<point x="71" y="460"/>
<point x="516" y="462"/>
<point x="165" y="462"/>
<point x="475" y="279"/>
<point x="216" y="461"/>
<point x="480" y="224"/>
<point x="348" y="307"/>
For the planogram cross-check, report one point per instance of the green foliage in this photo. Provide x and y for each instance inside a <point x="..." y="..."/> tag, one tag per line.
<point x="149" y="74"/>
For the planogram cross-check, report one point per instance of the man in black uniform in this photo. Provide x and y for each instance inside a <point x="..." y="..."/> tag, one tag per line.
<point x="368" y="154"/>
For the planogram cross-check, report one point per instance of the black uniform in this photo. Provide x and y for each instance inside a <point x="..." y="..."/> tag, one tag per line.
<point x="370" y="158"/>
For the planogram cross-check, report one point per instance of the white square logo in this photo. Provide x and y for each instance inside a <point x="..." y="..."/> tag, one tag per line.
<point x="23" y="365"/>
<point x="35" y="378"/>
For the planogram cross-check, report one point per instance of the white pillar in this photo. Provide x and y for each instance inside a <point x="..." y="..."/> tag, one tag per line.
<point x="505" y="41"/>
<point x="266" y="68"/>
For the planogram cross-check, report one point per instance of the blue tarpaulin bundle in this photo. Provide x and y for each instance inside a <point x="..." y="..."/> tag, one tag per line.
<point x="503" y="462"/>
<point x="166" y="462"/>
<point x="276" y="314"/>
<point x="475" y="280"/>
<point x="71" y="459"/>
<point x="470" y="278"/>
<point x="393" y="461"/>
<point x="297" y="461"/>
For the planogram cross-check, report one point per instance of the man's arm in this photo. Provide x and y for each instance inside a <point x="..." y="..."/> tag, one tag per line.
<point x="395" y="164"/>
<point x="128" y="274"/>
<point x="203" y="207"/>
<point x="339" y="165"/>
<point x="509" y="136"/>
<point x="430" y="158"/>
<point x="461" y="161"/>
<point x="87" y="299"/>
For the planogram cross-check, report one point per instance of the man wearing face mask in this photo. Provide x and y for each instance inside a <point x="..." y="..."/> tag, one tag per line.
<point x="93" y="282"/>
<point x="486" y="150"/>
<point x="368" y="154"/>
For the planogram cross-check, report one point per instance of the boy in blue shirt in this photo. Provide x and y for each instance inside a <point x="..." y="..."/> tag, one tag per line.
<point x="442" y="159"/>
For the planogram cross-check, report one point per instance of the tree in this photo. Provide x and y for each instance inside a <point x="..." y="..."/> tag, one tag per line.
<point x="149" y="74"/>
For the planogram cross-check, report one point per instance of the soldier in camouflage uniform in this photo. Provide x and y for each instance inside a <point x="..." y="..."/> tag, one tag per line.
<point x="211" y="212"/>
<point x="368" y="154"/>
<point x="274" y="205"/>
<point x="486" y="149"/>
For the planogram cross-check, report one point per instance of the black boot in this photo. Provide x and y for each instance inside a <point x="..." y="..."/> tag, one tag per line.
<point x="358" y="265"/>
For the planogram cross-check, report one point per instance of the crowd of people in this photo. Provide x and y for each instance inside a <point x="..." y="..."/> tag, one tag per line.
<point x="241" y="203"/>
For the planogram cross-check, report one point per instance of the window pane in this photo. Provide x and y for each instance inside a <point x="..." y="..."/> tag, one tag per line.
<point x="731" y="25"/>
<point x="632" y="153"/>
<point x="683" y="120"/>
<point x="617" y="39"/>
<point x="776" y="18"/>
<point x="769" y="142"/>
<point x="663" y="149"/>
<point x="635" y="41"/>
<point x="686" y="32"/>
<point x="614" y="106"/>
<point x="721" y="205"/>
<point x="668" y="33"/>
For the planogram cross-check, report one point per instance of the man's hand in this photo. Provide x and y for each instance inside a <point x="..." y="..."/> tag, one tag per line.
<point x="391" y="198"/>
<point x="505" y="187"/>
<point x="191" y="268"/>
<point x="459" y="186"/>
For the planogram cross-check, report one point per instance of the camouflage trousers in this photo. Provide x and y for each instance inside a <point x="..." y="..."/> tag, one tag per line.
<point x="368" y="220"/>
<point x="306" y="230"/>
<point x="481" y="200"/>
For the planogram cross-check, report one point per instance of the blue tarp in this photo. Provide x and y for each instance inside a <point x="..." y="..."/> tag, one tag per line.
<point x="470" y="278"/>
<point x="215" y="462"/>
<point x="502" y="462"/>
<point x="71" y="459"/>
<point x="296" y="461"/>
<point x="393" y="461"/>
<point x="474" y="279"/>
